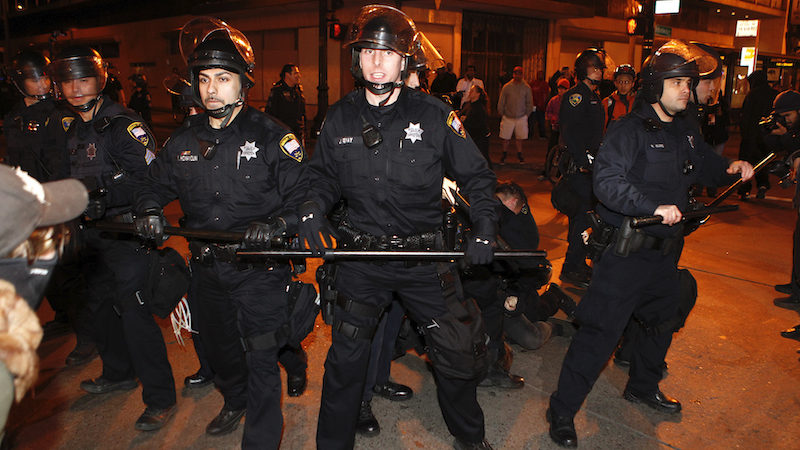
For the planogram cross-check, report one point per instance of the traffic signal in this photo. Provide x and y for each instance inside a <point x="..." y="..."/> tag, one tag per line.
<point x="635" y="25"/>
<point x="337" y="31"/>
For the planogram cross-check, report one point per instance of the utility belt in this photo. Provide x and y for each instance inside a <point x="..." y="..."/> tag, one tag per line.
<point x="357" y="239"/>
<point x="625" y="239"/>
<point x="205" y="253"/>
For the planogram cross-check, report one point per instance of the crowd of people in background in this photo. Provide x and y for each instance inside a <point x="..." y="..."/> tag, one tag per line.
<point x="264" y="191"/>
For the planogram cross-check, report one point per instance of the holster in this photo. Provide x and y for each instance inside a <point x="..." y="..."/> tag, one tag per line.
<point x="326" y="279"/>
<point x="601" y="237"/>
<point x="630" y="240"/>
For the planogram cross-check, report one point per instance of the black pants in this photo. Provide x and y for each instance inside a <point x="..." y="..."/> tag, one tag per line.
<point x="581" y="185"/>
<point x="231" y="303"/>
<point x="128" y="338"/>
<point x="382" y="351"/>
<point x="420" y="292"/>
<point x="643" y="285"/>
<point x="293" y="360"/>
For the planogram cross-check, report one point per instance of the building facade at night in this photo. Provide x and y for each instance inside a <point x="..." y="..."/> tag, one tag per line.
<point x="492" y="35"/>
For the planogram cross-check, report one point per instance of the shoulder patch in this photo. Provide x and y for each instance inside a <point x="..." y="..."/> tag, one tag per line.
<point x="137" y="132"/>
<point x="66" y="122"/>
<point x="455" y="124"/>
<point x="291" y="147"/>
<point x="575" y="99"/>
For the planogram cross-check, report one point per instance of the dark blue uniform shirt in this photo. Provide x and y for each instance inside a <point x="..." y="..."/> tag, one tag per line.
<point x="581" y="120"/>
<point x="644" y="162"/>
<point x="35" y="139"/>
<point x="257" y="172"/>
<point x="111" y="151"/>
<point x="395" y="188"/>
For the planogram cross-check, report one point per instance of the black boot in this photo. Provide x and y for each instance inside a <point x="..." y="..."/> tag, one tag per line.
<point x="367" y="424"/>
<point x="503" y="158"/>
<point x="521" y="159"/>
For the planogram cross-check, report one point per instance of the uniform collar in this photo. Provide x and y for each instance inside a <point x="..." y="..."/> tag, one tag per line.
<point x="232" y="127"/>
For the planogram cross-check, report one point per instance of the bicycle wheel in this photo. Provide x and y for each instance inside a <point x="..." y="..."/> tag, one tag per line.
<point x="551" y="171"/>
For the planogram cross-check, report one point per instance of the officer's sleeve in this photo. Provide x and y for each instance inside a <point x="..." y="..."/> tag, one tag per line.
<point x="713" y="171"/>
<point x="291" y="171"/>
<point x="464" y="163"/>
<point x="55" y="155"/>
<point x="158" y="186"/>
<point x="132" y="150"/>
<point x="615" y="158"/>
<point x="270" y="106"/>
<point x="571" y="121"/>
<point x="322" y="168"/>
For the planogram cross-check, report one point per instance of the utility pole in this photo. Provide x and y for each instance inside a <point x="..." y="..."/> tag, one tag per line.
<point x="649" y="16"/>
<point x="322" y="87"/>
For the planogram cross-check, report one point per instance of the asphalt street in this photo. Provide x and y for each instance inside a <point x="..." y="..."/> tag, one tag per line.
<point x="735" y="375"/>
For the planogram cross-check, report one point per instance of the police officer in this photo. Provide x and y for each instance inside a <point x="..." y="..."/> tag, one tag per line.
<point x="140" y="97"/>
<point x="385" y="149"/>
<point x="581" y="119"/>
<point x="233" y="168"/>
<point x="645" y="166"/>
<point x="620" y="101"/>
<point x="34" y="128"/>
<point x="286" y="101"/>
<point x="709" y="67"/>
<point x="109" y="149"/>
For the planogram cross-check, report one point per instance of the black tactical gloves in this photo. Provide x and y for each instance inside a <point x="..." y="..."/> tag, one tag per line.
<point x="259" y="234"/>
<point x="150" y="225"/>
<point x="314" y="228"/>
<point x="480" y="250"/>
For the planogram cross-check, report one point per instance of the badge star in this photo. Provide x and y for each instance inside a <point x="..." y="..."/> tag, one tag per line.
<point x="413" y="132"/>
<point x="91" y="151"/>
<point x="249" y="150"/>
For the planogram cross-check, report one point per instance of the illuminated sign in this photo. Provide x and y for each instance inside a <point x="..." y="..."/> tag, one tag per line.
<point x="748" y="59"/>
<point x="746" y="28"/>
<point x="668" y="6"/>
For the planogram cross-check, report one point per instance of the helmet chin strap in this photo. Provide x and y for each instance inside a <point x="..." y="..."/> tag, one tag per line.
<point x="226" y="111"/>
<point x="88" y="105"/>
<point x="664" y="109"/>
<point x="41" y="97"/>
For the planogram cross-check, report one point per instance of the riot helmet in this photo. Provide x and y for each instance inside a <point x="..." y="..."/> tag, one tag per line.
<point x="385" y="28"/>
<point x="78" y="62"/>
<point x="208" y="43"/>
<point x="180" y="88"/>
<point x="426" y="56"/>
<point x="673" y="60"/>
<point x="591" y="57"/>
<point x="624" y="69"/>
<point x="30" y="65"/>
<point x="708" y="68"/>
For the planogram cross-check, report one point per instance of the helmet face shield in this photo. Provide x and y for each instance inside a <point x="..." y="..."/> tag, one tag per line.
<point x="426" y="57"/>
<point x="205" y="43"/>
<point x="31" y="65"/>
<point x="200" y="29"/>
<point x="76" y="63"/>
<point x="688" y="60"/>
<point x="384" y="26"/>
